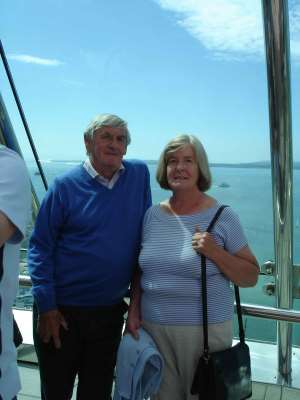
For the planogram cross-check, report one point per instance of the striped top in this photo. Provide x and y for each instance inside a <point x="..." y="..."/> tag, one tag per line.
<point x="171" y="268"/>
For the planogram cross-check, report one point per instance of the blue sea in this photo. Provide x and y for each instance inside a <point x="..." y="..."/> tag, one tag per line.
<point x="249" y="193"/>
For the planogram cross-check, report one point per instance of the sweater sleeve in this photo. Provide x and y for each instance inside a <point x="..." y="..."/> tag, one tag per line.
<point x="148" y="196"/>
<point x="42" y="248"/>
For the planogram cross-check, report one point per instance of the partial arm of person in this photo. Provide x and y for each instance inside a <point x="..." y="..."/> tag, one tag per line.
<point x="15" y="197"/>
<point x="7" y="229"/>
<point x="42" y="245"/>
<point x="241" y="267"/>
<point x="134" y="311"/>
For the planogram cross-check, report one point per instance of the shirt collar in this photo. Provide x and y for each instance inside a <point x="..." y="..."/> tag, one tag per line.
<point x="94" y="174"/>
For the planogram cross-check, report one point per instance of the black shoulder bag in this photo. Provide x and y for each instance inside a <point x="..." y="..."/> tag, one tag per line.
<point x="226" y="374"/>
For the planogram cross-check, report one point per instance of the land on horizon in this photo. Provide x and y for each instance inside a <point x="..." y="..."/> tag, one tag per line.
<point x="256" y="164"/>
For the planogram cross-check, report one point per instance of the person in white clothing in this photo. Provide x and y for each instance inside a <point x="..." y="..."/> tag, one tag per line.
<point x="15" y="200"/>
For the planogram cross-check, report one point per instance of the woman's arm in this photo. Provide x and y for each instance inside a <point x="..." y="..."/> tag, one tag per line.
<point x="134" y="311"/>
<point x="241" y="268"/>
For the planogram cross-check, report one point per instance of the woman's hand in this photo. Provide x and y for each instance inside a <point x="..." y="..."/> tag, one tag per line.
<point x="133" y="322"/>
<point x="240" y="268"/>
<point x="203" y="243"/>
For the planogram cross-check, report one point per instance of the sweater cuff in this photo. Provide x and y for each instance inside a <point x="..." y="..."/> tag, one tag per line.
<point x="44" y="299"/>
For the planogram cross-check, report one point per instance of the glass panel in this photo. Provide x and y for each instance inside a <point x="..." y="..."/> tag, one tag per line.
<point x="167" y="67"/>
<point x="254" y="325"/>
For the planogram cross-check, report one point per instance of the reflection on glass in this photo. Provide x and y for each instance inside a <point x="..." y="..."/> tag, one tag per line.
<point x="248" y="191"/>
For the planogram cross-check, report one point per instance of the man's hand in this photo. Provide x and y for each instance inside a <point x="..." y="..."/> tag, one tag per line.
<point x="49" y="325"/>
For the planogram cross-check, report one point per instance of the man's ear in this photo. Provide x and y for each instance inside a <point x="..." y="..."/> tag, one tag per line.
<point x="88" y="144"/>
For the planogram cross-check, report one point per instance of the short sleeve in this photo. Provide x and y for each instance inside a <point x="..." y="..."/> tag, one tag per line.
<point x="15" y="194"/>
<point x="146" y="222"/>
<point x="234" y="236"/>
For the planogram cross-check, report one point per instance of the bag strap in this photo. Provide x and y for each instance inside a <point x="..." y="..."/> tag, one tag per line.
<point x="204" y="293"/>
<point x="239" y="314"/>
<point x="203" y="284"/>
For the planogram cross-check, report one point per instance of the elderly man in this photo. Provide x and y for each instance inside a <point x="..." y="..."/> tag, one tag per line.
<point x="83" y="253"/>
<point x="15" y="200"/>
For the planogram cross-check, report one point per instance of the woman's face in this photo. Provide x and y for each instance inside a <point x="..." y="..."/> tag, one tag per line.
<point x="182" y="169"/>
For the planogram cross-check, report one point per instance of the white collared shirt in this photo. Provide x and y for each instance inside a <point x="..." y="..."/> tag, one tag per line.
<point x="15" y="201"/>
<point x="109" y="183"/>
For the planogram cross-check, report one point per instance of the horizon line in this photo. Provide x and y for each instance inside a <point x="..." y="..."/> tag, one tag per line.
<point x="49" y="160"/>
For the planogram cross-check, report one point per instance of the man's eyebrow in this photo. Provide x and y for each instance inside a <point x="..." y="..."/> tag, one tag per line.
<point x="104" y="130"/>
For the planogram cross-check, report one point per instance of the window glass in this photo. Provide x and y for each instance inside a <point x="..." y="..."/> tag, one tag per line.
<point x="167" y="67"/>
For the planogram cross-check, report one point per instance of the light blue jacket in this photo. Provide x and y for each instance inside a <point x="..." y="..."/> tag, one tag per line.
<point x="139" y="368"/>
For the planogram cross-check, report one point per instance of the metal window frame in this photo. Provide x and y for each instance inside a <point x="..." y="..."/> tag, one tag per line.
<point x="277" y="42"/>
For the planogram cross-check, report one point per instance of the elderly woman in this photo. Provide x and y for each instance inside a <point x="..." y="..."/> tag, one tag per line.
<point x="168" y="301"/>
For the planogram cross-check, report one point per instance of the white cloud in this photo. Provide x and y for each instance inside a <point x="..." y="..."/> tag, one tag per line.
<point x="35" y="60"/>
<point x="230" y="29"/>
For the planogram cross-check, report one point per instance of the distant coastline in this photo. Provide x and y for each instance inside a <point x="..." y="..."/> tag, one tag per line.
<point x="257" y="164"/>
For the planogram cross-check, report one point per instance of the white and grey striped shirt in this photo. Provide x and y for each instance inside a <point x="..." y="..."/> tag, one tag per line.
<point x="171" y="269"/>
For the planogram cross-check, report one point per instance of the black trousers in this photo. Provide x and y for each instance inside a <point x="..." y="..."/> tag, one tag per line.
<point x="89" y="350"/>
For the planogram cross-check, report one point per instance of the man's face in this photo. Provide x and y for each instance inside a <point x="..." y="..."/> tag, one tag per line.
<point x="106" y="149"/>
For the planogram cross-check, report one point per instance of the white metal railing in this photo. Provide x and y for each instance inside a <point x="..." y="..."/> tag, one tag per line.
<point x="253" y="310"/>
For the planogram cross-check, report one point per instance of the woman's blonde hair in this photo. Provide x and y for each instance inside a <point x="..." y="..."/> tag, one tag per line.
<point x="204" y="181"/>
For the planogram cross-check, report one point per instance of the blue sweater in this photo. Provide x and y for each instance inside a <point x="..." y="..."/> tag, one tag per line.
<point x="139" y="368"/>
<point x="86" y="240"/>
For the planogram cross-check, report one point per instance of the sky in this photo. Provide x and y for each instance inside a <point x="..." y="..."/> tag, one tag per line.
<point x="165" y="66"/>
